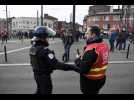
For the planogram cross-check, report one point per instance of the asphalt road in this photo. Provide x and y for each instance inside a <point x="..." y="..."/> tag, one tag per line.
<point x="19" y="79"/>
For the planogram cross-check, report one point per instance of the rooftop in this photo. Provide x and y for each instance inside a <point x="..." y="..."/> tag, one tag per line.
<point x="46" y="16"/>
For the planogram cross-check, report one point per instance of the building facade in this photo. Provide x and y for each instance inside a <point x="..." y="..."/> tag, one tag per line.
<point x="50" y="21"/>
<point x="29" y="23"/>
<point x="3" y="25"/>
<point x="23" y="24"/>
<point x="128" y="17"/>
<point x="103" y="16"/>
<point x="63" y="25"/>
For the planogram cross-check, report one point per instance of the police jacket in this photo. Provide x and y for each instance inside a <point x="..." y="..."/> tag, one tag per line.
<point x="43" y="60"/>
<point x="89" y="58"/>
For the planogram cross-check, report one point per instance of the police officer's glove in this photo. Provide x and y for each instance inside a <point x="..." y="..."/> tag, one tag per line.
<point x="74" y="68"/>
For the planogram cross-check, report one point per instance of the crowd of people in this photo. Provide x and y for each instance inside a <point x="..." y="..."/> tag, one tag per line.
<point x="4" y="36"/>
<point x="118" y="39"/>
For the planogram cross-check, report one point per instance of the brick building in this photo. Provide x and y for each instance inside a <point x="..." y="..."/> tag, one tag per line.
<point x="128" y="17"/>
<point x="103" y="16"/>
<point x="63" y="25"/>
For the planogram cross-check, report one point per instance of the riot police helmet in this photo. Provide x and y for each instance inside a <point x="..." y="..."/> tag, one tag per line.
<point x="43" y="32"/>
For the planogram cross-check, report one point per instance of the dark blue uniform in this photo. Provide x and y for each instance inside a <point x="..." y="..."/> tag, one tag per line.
<point x="44" y="62"/>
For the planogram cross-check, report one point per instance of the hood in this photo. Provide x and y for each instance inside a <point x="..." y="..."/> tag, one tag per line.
<point x="95" y="39"/>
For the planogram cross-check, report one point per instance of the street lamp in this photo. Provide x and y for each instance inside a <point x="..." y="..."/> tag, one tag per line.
<point x="73" y="18"/>
<point x="7" y="18"/>
<point x="41" y="14"/>
<point x="74" y="35"/>
<point x="37" y="19"/>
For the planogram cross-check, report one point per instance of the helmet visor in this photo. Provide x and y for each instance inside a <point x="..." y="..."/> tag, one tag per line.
<point x="51" y="32"/>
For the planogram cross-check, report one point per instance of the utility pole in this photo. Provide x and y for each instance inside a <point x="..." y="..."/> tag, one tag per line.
<point x="5" y="51"/>
<point x="6" y="19"/>
<point x="120" y="8"/>
<point x="37" y="19"/>
<point x="74" y="20"/>
<point x="41" y="14"/>
<point x="128" y="16"/>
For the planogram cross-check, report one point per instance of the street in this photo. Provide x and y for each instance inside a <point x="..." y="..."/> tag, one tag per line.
<point x="19" y="79"/>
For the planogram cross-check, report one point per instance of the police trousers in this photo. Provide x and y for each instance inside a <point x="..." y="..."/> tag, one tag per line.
<point x="44" y="84"/>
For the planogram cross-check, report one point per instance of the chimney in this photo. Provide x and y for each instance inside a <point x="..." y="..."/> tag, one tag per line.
<point x="45" y="15"/>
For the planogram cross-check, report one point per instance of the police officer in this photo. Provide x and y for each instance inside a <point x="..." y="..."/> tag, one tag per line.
<point x="93" y="62"/>
<point x="43" y="60"/>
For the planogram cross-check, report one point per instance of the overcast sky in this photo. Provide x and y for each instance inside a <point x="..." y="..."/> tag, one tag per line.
<point x="62" y="12"/>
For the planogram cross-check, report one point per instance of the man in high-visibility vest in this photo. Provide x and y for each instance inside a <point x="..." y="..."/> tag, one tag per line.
<point x="93" y="62"/>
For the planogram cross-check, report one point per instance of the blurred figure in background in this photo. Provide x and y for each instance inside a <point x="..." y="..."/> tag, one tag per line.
<point x="68" y="41"/>
<point x="112" y="38"/>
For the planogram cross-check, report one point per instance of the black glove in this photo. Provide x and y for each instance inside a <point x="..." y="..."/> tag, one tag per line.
<point x="66" y="67"/>
<point x="74" y="68"/>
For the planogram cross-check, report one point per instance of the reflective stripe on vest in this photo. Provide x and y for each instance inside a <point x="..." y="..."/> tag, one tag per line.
<point x="99" y="69"/>
<point x="95" y="77"/>
<point x="96" y="73"/>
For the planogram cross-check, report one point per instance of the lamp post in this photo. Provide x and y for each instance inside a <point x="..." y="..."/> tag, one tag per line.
<point x="37" y="19"/>
<point x="41" y="14"/>
<point x="6" y="19"/>
<point x="74" y="21"/>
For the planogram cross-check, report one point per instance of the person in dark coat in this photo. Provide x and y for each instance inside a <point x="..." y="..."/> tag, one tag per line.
<point x="44" y="62"/>
<point x="112" y="39"/>
<point x="68" y="41"/>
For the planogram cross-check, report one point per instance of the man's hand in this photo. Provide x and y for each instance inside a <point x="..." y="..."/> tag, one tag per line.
<point x="77" y="61"/>
<point x="77" y="56"/>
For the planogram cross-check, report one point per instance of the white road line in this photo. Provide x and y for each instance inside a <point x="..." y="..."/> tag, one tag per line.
<point x="11" y="51"/>
<point x="113" y="62"/>
<point x="28" y="64"/>
<point x="21" y="64"/>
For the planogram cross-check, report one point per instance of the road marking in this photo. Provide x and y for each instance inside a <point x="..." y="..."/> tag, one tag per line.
<point x="16" y="50"/>
<point x="11" y="51"/>
<point x="19" y="64"/>
<point x="113" y="62"/>
<point x="28" y="64"/>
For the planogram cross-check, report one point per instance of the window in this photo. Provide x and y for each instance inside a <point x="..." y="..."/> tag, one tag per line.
<point x="13" y="24"/>
<point x="97" y="18"/>
<point x="49" y="25"/>
<point x="116" y="18"/>
<point x="105" y="26"/>
<point x="45" y="24"/>
<point x="130" y="21"/>
<point x="106" y="18"/>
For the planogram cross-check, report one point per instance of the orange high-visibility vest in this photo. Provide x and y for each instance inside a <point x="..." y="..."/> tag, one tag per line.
<point x="98" y="69"/>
